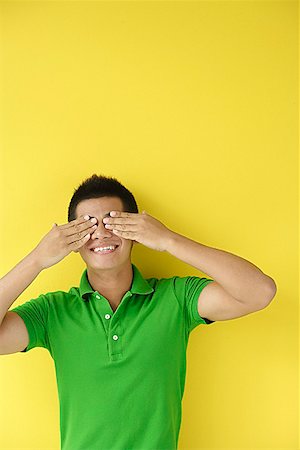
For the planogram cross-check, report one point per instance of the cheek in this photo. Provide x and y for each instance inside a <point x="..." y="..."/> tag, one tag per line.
<point x="127" y="243"/>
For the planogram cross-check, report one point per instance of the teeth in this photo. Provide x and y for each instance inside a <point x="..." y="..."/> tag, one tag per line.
<point x="102" y="249"/>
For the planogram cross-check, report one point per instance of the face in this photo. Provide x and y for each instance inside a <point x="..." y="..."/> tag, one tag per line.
<point x="102" y="237"/>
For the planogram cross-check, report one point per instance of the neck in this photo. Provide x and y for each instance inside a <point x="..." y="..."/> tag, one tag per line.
<point x="112" y="283"/>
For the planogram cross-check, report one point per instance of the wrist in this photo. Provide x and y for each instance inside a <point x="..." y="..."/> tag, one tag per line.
<point x="170" y="240"/>
<point x="35" y="261"/>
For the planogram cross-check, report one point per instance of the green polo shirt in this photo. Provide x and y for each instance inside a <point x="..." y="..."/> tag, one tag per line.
<point x="120" y="375"/>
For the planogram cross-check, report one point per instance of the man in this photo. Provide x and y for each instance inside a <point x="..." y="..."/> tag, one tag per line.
<point x="118" y="340"/>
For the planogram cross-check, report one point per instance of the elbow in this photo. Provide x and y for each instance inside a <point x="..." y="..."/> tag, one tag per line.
<point x="270" y="291"/>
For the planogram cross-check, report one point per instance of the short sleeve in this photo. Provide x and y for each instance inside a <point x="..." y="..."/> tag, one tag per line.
<point x="34" y="314"/>
<point x="187" y="291"/>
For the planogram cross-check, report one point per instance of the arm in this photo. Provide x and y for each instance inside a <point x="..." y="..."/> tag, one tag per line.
<point x="54" y="246"/>
<point x="16" y="281"/>
<point x="239" y="287"/>
<point x="13" y="332"/>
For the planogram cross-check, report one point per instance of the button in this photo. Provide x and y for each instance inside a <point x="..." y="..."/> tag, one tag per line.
<point x="107" y="316"/>
<point x="115" y="337"/>
<point x="97" y="296"/>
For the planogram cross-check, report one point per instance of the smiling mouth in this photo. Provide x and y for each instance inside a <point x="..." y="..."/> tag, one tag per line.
<point x="104" y="250"/>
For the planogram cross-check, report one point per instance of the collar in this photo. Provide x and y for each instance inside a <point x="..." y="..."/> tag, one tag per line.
<point x="139" y="284"/>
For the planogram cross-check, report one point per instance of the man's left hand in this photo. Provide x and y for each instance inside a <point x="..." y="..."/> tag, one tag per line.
<point x="141" y="228"/>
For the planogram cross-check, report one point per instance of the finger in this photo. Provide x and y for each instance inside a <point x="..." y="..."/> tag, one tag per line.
<point x="119" y="220"/>
<point x="121" y="227"/>
<point x="125" y="234"/>
<point x="77" y="244"/>
<point x="73" y="237"/>
<point x="79" y="220"/>
<point x="79" y="227"/>
<point x="122" y="214"/>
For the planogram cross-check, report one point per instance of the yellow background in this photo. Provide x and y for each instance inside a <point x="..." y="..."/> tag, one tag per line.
<point x="193" y="106"/>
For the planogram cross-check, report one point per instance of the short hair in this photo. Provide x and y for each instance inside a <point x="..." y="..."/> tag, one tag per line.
<point x="98" y="186"/>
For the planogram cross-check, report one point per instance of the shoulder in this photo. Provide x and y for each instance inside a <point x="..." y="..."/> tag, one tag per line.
<point x="59" y="297"/>
<point x="159" y="283"/>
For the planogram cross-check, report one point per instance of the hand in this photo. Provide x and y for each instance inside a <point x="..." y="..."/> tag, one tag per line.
<point x="62" y="240"/>
<point x="141" y="228"/>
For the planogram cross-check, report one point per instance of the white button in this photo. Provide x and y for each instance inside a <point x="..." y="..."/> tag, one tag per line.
<point x="107" y="316"/>
<point x="97" y="296"/>
<point x="115" y="337"/>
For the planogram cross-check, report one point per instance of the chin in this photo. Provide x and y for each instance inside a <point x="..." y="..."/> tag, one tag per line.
<point x="105" y="262"/>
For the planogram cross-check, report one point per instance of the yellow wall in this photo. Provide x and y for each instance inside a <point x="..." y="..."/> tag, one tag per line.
<point x="193" y="106"/>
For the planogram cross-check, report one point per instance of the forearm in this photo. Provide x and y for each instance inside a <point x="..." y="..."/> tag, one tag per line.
<point x="239" y="277"/>
<point x="16" y="281"/>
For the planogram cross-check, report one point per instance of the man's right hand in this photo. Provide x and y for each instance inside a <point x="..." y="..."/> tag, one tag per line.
<point x="62" y="240"/>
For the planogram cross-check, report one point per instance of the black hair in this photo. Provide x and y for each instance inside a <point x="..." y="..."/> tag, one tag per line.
<point x="98" y="186"/>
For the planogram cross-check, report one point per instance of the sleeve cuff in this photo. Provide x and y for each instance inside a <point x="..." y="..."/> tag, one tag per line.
<point x="30" y="329"/>
<point x="196" y="314"/>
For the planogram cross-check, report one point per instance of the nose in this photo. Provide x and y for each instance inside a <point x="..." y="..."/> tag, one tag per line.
<point x="101" y="231"/>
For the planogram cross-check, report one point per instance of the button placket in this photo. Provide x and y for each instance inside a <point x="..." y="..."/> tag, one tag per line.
<point x="115" y="341"/>
<point x="104" y="311"/>
<point x="116" y="331"/>
<point x="112" y="322"/>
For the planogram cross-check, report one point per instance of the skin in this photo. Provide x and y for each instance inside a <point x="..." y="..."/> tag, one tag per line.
<point x="236" y="279"/>
<point x="111" y="274"/>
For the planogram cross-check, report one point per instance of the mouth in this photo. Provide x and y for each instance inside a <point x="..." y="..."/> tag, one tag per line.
<point x="104" y="250"/>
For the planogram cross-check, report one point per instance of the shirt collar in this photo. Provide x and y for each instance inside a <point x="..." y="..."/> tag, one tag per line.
<point x="139" y="284"/>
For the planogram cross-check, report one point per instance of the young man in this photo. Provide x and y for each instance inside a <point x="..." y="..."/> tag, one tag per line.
<point x="118" y="340"/>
